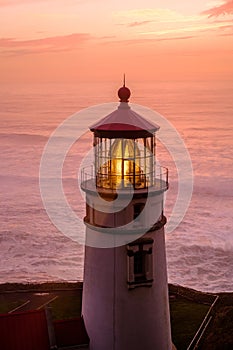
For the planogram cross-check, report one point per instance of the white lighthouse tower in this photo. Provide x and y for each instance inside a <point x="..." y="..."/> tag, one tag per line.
<point x="125" y="294"/>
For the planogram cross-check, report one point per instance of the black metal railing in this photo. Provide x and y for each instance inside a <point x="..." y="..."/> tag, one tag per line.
<point x="158" y="179"/>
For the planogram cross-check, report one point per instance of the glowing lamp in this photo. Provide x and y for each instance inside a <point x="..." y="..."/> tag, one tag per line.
<point x="124" y="164"/>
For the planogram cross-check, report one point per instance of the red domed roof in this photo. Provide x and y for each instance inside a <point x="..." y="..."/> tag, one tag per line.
<point x="124" y="122"/>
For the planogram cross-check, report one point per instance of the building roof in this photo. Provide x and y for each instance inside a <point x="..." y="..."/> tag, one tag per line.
<point x="124" y="122"/>
<point x="29" y="331"/>
<point x="24" y="331"/>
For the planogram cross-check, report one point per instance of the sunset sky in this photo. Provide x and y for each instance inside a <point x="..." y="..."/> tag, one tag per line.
<point x="89" y="40"/>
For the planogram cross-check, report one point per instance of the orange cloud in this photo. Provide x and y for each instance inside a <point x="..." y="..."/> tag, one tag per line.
<point x="49" y="44"/>
<point x="145" y="41"/>
<point x="14" y="2"/>
<point x="224" y="9"/>
<point x="4" y="3"/>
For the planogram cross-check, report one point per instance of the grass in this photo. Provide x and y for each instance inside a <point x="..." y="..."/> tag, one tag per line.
<point x="186" y="318"/>
<point x="67" y="305"/>
<point x="39" y="287"/>
<point x="220" y="333"/>
<point x="7" y="303"/>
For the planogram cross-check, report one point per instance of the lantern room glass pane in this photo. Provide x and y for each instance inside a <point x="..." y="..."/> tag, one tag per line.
<point x="121" y="163"/>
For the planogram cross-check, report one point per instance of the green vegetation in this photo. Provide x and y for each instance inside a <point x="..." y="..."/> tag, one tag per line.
<point x="67" y="305"/>
<point x="186" y="318"/>
<point x="41" y="287"/>
<point x="188" y="309"/>
<point x="7" y="303"/>
<point x="219" y="335"/>
<point x="13" y="295"/>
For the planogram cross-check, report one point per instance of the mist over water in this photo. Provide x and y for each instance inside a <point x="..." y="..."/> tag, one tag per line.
<point x="199" y="251"/>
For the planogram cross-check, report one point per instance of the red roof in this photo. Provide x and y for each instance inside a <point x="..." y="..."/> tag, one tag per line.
<point x="24" y="331"/>
<point x="29" y="331"/>
<point x="124" y="120"/>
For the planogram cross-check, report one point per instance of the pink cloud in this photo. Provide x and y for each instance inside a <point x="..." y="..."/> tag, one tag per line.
<point x="14" y="2"/>
<point x="224" y="9"/>
<point x="136" y="24"/>
<point x="4" y="3"/>
<point x="147" y="40"/>
<point x="229" y="26"/>
<point x="49" y="44"/>
<point x="226" y="34"/>
<point x="226" y="30"/>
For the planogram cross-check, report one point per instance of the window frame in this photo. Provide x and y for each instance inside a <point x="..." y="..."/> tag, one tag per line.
<point x="143" y="246"/>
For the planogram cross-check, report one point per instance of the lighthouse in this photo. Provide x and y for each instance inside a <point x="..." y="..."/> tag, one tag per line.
<point x="125" y="293"/>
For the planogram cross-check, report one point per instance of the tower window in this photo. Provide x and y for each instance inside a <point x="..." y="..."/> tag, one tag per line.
<point x="140" y="263"/>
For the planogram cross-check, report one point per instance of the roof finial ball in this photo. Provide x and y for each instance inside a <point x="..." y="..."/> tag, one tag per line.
<point x="124" y="93"/>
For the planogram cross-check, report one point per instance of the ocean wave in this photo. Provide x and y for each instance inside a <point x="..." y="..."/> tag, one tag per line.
<point x="27" y="179"/>
<point x="27" y="137"/>
<point x="208" y="185"/>
<point x="206" y="268"/>
<point x="23" y="137"/>
<point x="222" y="187"/>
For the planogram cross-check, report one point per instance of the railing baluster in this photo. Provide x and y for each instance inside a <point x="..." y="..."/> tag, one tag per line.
<point x="160" y="178"/>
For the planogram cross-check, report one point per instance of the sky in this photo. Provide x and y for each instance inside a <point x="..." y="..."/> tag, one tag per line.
<point x="93" y="40"/>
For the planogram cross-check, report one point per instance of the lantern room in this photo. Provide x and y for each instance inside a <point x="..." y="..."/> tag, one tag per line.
<point x="125" y="148"/>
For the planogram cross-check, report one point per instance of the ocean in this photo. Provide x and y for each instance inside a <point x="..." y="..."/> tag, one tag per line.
<point x="199" y="250"/>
